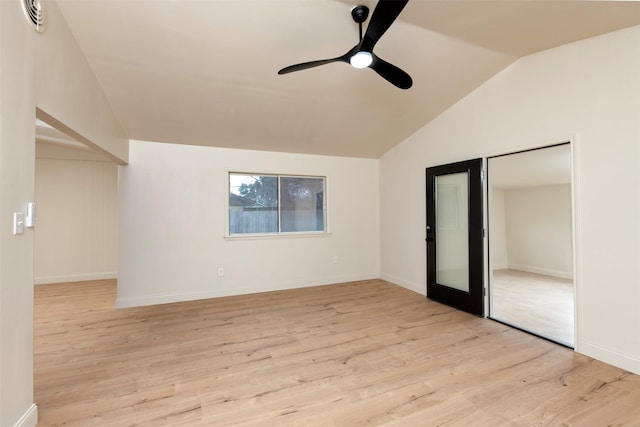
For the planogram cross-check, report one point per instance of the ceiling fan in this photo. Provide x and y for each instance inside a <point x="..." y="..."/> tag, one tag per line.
<point x="361" y="55"/>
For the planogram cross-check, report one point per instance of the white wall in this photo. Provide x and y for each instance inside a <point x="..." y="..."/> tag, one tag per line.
<point x="49" y="72"/>
<point x="172" y="225"/>
<point x="498" y="230"/>
<point x="77" y="208"/>
<point x="17" y="156"/>
<point x="588" y="92"/>
<point x="539" y="231"/>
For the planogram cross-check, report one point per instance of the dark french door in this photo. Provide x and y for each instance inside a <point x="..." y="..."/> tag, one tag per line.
<point x="455" y="235"/>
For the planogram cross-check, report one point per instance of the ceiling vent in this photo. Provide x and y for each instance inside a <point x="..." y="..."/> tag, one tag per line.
<point x="34" y="11"/>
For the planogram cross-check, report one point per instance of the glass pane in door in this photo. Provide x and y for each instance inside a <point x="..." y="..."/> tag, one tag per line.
<point x="452" y="230"/>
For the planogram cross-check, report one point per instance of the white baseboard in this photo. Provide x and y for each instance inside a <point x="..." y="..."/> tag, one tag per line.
<point x="419" y="288"/>
<point x="75" y="278"/>
<point x="610" y="356"/>
<point x="170" y="297"/>
<point x="538" y="270"/>
<point x="29" y="419"/>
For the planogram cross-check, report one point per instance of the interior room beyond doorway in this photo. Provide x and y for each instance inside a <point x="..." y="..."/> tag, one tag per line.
<point x="531" y="242"/>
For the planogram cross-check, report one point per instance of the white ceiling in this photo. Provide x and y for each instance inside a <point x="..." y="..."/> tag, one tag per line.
<point x="205" y="72"/>
<point x="547" y="166"/>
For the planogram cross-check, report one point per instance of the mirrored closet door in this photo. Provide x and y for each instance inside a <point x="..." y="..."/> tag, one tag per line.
<point x="530" y="242"/>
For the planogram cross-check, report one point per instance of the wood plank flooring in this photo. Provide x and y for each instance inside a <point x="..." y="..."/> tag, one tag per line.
<point x="361" y="353"/>
<point x="539" y="303"/>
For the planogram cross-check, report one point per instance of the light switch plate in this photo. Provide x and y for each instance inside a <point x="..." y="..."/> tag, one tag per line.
<point x="18" y="223"/>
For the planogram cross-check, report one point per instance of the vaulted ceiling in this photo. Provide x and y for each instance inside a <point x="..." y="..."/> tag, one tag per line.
<point x="205" y="72"/>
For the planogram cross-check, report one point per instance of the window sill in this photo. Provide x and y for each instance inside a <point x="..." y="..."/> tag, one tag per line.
<point x="300" y="235"/>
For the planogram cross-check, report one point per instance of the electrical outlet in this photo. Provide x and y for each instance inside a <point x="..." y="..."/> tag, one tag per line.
<point x="335" y="259"/>
<point x="221" y="272"/>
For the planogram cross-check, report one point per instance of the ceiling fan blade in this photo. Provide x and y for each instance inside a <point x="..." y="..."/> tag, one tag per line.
<point x="311" y="64"/>
<point x="391" y="73"/>
<point x="383" y="16"/>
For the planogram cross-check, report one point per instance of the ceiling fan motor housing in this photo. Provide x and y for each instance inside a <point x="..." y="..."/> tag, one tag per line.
<point x="360" y="14"/>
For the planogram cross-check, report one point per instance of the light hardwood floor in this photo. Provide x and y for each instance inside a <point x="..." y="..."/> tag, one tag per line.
<point x="345" y="355"/>
<point x="539" y="303"/>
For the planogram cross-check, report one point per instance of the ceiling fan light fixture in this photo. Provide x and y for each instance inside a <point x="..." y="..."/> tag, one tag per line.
<point x="361" y="55"/>
<point x="361" y="59"/>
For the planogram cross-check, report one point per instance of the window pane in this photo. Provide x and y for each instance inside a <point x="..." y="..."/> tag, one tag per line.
<point x="302" y="204"/>
<point x="253" y="204"/>
<point x="452" y="230"/>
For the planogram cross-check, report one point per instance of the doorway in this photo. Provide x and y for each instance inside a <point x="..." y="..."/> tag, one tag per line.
<point x="76" y="194"/>
<point x="454" y="235"/>
<point x="531" y="242"/>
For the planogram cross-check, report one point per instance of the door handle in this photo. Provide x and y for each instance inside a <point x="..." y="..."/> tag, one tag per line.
<point x="429" y="237"/>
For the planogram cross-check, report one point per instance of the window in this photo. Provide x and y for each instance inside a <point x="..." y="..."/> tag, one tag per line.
<point x="272" y="204"/>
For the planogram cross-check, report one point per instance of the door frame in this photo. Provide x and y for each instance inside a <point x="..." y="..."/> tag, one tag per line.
<point x="472" y="301"/>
